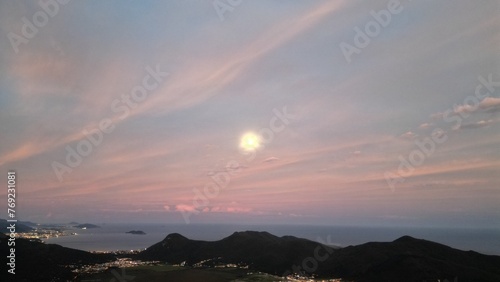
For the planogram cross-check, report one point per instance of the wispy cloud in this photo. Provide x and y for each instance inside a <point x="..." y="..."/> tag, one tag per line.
<point x="353" y="121"/>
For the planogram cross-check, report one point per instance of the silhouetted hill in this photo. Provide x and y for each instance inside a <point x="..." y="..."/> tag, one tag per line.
<point x="260" y="250"/>
<point x="37" y="261"/>
<point x="28" y="223"/>
<point x="405" y="259"/>
<point x="20" y="226"/>
<point x="411" y="259"/>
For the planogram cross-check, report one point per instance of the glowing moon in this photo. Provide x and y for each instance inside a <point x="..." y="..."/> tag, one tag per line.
<point x="250" y="141"/>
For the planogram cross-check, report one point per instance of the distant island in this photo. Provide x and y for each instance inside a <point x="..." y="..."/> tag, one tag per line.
<point x="136" y="232"/>
<point x="87" y="225"/>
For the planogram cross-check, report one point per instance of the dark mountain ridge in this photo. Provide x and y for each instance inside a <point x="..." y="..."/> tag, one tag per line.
<point x="21" y="226"/>
<point x="406" y="258"/>
<point x="37" y="261"/>
<point x="259" y="250"/>
<point x="412" y="259"/>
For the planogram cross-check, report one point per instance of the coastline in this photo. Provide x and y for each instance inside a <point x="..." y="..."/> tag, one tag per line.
<point x="113" y="237"/>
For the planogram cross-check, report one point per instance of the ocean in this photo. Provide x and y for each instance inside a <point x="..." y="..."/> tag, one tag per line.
<point x="111" y="237"/>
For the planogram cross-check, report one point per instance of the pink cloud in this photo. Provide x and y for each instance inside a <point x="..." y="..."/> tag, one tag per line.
<point x="185" y="208"/>
<point x="219" y="209"/>
<point x="271" y="159"/>
<point x="489" y="102"/>
<point x="408" y="135"/>
<point x="425" y="125"/>
<point x="238" y="210"/>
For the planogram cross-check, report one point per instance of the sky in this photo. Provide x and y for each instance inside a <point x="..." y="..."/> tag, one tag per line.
<point x="333" y="112"/>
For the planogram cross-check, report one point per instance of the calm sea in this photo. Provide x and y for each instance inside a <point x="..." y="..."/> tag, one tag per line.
<point x="113" y="236"/>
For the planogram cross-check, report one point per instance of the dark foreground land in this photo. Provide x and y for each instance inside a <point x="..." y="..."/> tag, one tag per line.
<point x="161" y="273"/>
<point x="252" y="256"/>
